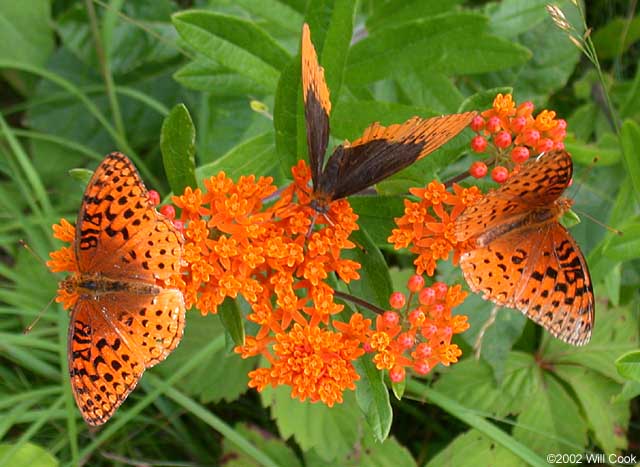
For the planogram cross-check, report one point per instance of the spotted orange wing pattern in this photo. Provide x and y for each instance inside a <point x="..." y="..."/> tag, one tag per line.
<point x="125" y="320"/>
<point x="522" y="257"/>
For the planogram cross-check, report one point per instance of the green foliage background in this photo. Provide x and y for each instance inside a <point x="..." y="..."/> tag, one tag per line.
<point x="218" y="82"/>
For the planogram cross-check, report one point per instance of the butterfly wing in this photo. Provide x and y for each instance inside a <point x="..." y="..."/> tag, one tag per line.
<point x="118" y="230"/>
<point x="383" y="151"/>
<point x="113" y="339"/>
<point x="539" y="183"/>
<point x="540" y="271"/>
<point x="317" y="105"/>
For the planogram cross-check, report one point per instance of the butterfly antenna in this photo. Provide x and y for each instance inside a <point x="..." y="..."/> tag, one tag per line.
<point x="600" y="223"/>
<point x="26" y="246"/>
<point x="29" y="328"/>
<point x="477" y="346"/>
<point x="583" y="178"/>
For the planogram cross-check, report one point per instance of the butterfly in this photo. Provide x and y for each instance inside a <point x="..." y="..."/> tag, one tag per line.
<point x="379" y="153"/>
<point x="522" y="257"/>
<point x="125" y="319"/>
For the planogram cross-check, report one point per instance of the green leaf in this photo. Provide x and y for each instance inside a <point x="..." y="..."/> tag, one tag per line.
<point x="396" y="12"/>
<point x="425" y="88"/>
<point x="550" y="421"/>
<point x="27" y="27"/>
<point x="288" y="116"/>
<point x="283" y="16"/>
<point x="627" y="246"/>
<point x="235" y="43"/>
<point x="82" y="175"/>
<point x="374" y="284"/>
<point x="367" y="453"/>
<point x="331" y="431"/>
<point x="487" y="396"/>
<point x="498" y="337"/>
<point x="450" y="43"/>
<point x="376" y="215"/>
<point x="204" y="75"/>
<point x="222" y="377"/>
<point x="628" y="365"/>
<point x="373" y="398"/>
<point x="27" y="454"/>
<point x="617" y="325"/>
<point x="630" y="137"/>
<point x="554" y="56"/>
<point x="484" y="99"/>
<point x="595" y="392"/>
<point x="630" y="391"/>
<point x="473" y="448"/>
<point x="608" y="38"/>
<point x="177" y="143"/>
<point x="509" y="18"/>
<point x="398" y="388"/>
<point x="274" y="448"/>
<point x="254" y="156"/>
<point x="232" y="320"/>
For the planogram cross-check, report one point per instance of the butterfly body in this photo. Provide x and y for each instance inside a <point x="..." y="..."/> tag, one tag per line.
<point x="125" y="318"/>
<point x="520" y="256"/>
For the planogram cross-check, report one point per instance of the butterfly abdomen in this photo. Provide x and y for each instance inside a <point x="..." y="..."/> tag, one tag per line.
<point x="97" y="285"/>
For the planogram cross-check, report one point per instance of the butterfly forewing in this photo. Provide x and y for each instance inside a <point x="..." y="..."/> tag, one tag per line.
<point x="317" y="106"/>
<point x="118" y="217"/>
<point x="383" y="151"/>
<point x="539" y="183"/>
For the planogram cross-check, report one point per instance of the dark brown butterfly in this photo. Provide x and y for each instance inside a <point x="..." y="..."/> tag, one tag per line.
<point x="379" y="153"/>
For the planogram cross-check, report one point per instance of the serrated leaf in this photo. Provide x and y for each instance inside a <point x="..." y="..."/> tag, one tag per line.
<point x="235" y="43"/>
<point x="331" y="431"/>
<point x="617" y="325"/>
<point x="473" y="448"/>
<point x="396" y="12"/>
<point x="488" y="396"/>
<point x="203" y="75"/>
<point x="628" y="365"/>
<point x="177" y="143"/>
<point x="450" y="43"/>
<point x="232" y="320"/>
<point x="374" y="284"/>
<point x="595" y="392"/>
<point x="550" y="421"/>
<point x="373" y="398"/>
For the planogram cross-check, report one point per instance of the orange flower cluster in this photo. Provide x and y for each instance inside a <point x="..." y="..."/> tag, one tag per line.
<point x="236" y="246"/>
<point x="64" y="260"/>
<point x="418" y="337"/>
<point x="428" y="225"/>
<point x="507" y="131"/>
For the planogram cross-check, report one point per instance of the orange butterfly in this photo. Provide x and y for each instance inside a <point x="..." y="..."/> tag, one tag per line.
<point x="522" y="257"/>
<point x="125" y="319"/>
<point x="379" y="153"/>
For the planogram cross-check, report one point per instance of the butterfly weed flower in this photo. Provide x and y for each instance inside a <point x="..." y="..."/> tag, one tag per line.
<point x="510" y="134"/>
<point x="416" y="336"/>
